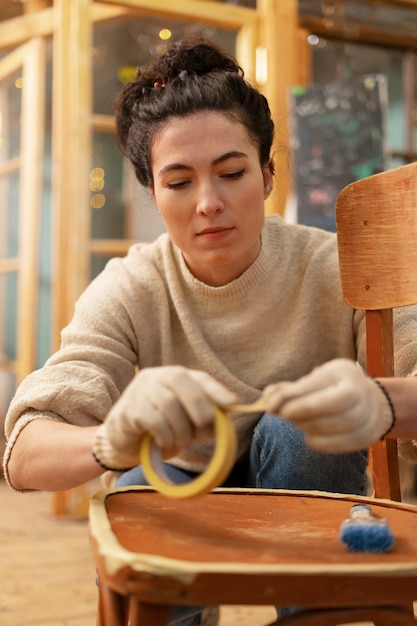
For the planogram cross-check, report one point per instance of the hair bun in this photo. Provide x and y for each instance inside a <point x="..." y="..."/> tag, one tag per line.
<point x="191" y="55"/>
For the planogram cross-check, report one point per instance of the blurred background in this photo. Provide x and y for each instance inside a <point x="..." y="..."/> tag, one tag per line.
<point x="340" y="76"/>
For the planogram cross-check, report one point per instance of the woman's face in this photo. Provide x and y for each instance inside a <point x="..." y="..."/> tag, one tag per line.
<point x="210" y="189"/>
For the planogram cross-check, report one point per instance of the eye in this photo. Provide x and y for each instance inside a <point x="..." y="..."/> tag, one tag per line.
<point x="234" y="175"/>
<point x="178" y="185"/>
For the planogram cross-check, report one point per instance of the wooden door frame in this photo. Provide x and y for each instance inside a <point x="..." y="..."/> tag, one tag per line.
<point x="30" y="59"/>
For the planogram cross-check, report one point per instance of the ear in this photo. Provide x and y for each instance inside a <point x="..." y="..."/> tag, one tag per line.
<point x="268" y="176"/>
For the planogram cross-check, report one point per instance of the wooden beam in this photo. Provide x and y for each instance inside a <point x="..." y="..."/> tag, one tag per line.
<point x="12" y="63"/>
<point x="278" y="34"/>
<point x="71" y="157"/>
<point x="246" y="44"/>
<point x="401" y="4"/>
<point x="206" y="11"/>
<point x="103" y="123"/>
<point x="110" y="247"/>
<point x="9" y="265"/>
<point x="363" y="33"/>
<point x="31" y="6"/>
<point x="18" y="30"/>
<point x="8" y="366"/>
<point x="30" y="193"/>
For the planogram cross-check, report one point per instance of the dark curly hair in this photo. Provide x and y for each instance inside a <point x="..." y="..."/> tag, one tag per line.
<point x="191" y="75"/>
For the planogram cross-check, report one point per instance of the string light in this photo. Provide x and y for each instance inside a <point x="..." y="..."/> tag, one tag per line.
<point x="98" y="200"/>
<point x="165" y="34"/>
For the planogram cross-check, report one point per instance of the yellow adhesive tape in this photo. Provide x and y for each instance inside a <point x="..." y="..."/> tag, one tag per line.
<point x="217" y="471"/>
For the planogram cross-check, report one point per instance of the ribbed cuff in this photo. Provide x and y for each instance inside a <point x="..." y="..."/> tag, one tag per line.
<point x="106" y="467"/>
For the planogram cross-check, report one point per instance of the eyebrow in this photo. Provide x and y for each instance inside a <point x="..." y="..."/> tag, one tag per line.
<point x="230" y="155"/>
<point x="221" y="159"/>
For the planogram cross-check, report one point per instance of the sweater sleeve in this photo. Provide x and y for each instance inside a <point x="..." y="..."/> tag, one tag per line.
<point x="85" y="377"/>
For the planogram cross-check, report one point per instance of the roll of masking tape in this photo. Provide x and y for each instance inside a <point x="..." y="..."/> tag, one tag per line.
<point x="217" y="471"/>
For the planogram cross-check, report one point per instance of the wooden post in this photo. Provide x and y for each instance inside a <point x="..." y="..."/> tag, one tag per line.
<point x="32" y="155"/>
<point x="71" y="157"/>
<point x="380" y="362"/>
<point x="278" y="23"/>
<point x="71" y="164"/>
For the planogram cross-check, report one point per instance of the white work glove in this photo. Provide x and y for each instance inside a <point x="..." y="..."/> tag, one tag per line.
<point x="339" y="407"/>
<point x="171" y="403"/>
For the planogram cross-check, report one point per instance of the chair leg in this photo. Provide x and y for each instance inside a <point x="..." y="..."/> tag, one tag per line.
<point x="146" y="614"/>
<point x="111" y="607"/>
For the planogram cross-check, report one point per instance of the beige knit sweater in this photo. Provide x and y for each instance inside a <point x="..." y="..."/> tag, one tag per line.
<point x="277" y="321"/>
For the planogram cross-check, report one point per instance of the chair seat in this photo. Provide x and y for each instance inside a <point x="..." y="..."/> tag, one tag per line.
<point x="237" y="544"/>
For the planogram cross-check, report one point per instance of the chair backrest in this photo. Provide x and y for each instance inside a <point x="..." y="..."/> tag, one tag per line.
<point x="376" y="225"/>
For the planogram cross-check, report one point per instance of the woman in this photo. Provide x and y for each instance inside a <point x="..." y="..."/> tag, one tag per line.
<point x="223" y="305"/>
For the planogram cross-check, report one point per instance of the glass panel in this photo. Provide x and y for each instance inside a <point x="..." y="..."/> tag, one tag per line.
<point x="368" y="13"/>
<point x="7" y="389"/>
<point x="337" y="138"/>
<point x="10" y="98"/>
<point x="145" y="223"/>
<point x="108" y="218"/>
<point x="122" y="45"/>
<point x="9" y="215"/>
<point x="10" y="111"/>
<point x="8" y="315"/>
<point x="10" y="138"/>
<point x="45" y="251"/>
<point x="335" y="60"/>
<point x="98" y="263"/>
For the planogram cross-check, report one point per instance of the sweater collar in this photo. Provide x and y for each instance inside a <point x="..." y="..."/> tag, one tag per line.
<point x="256" y="274"/>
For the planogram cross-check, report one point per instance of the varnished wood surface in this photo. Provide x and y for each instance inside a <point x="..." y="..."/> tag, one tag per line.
<point x="376" y="224"/>
<point x="269" y="547"/>
<point x="289" y="530"/>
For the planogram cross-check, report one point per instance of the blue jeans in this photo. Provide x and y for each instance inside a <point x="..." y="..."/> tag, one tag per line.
<point x="278" y="459"/>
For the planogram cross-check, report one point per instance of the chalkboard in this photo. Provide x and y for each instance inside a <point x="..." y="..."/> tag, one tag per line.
<point x="337" y="137"/>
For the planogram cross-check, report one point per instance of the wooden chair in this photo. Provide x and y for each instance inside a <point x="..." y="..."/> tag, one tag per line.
<point x="282" y="548"/>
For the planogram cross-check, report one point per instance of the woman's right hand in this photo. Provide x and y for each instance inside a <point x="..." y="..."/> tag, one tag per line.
<point x="171" y="403"/>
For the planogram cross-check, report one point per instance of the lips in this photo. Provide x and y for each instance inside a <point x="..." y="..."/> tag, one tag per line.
<point x="215" y="230"/>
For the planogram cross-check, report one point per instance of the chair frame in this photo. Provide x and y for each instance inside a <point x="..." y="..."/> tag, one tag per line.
<point x="137" y="586"/>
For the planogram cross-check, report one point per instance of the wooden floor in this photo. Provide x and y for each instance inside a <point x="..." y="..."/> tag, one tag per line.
<point x="47" y="575"/>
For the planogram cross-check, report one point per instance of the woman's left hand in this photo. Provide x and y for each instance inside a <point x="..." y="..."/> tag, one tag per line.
<point x="339" y="407"/>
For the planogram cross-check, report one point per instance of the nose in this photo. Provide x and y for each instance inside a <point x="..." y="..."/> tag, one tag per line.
<point x="209" y="202"/>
